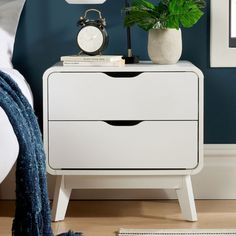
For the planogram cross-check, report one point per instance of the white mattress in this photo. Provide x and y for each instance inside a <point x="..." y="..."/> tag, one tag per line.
<point x="9" y="147"/>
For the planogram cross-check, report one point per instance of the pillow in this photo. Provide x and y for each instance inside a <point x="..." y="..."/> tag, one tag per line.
<point x="10" y="11"/>
<point x="6" y="44"/>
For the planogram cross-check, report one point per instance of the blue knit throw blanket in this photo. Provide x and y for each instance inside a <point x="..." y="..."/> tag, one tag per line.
<point x="32" y="214"/>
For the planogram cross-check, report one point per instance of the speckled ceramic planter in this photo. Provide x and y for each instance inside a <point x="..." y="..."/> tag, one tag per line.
<point x="164" y="45"/>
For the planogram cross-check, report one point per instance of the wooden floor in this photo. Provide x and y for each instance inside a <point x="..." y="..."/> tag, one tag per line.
<point x="104" y="218"/>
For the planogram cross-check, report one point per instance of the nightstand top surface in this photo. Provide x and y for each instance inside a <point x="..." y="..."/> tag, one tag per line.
<point x="143" y="66"/>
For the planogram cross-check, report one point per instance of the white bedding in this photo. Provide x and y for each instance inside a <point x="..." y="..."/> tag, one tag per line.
<point x="10" y="11"/>
<point x="9" y="147"/>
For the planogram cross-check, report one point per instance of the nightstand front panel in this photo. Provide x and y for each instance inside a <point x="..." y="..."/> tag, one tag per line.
<point x="147" y="96"/>
<point x="146" y="145"/>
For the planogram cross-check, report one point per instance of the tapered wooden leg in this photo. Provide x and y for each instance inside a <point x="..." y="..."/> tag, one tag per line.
<point x="186" y="199"/>
<point x="60" y="200"/>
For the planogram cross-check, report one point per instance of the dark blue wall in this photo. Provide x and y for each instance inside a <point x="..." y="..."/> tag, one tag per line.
<point x="48" y="30"/>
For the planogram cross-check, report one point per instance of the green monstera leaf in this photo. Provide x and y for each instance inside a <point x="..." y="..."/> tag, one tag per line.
<point x="142" y="13"/>
<point x="166" y="14"/>
<point x="185" y="12"/>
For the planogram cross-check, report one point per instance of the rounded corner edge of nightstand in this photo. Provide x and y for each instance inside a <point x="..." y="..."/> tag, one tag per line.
<point x="50" y="170"/>
<point x="198" y="167"/>
<point x="198" y="72"/>
<point x="48" y="72"/>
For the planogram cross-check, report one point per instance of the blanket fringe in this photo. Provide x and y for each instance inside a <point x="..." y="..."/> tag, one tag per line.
<point x="70" y="233"/>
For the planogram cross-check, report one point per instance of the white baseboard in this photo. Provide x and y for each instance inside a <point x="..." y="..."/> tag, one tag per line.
<point x="217" y="180"/>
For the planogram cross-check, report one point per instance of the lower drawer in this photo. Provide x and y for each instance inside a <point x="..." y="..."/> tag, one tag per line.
<point x="100" y="145"/>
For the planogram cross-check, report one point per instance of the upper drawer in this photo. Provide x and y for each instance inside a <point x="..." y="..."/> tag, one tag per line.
<point x="147" y="96"/>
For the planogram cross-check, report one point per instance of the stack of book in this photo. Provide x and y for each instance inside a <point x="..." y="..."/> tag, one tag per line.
<point x="99" y="60"/>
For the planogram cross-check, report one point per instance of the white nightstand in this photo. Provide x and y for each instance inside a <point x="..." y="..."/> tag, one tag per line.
<point x="138" y="126"/>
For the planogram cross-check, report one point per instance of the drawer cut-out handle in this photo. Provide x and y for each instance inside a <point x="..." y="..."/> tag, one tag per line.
<point x="125" y="74"/>
<point x="123" y="122"/>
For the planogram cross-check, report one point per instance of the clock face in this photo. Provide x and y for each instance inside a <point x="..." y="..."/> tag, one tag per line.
<point x="90" y="39"/>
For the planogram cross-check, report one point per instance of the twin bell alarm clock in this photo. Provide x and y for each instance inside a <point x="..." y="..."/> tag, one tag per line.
<point x="92" y="37"/>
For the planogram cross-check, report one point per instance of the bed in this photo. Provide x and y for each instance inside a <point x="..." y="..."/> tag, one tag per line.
<point x="9" y="147"/>
<point x="10" y="11"/>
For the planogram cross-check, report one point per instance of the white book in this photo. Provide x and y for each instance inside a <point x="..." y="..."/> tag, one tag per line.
<point x="95" y="63"/>
<point x="85" y="58"/>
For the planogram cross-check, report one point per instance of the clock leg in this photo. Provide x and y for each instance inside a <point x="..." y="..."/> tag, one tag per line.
<point x="186" y="199"/>
<point x="60" y="200"/>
